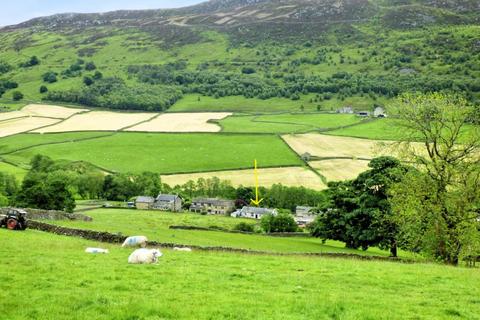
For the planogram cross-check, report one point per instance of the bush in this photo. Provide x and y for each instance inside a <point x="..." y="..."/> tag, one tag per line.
<point x="244" y="227"/>
<point x="88" y="81"/>
<point x="30" y="63"/>
<point x="43" y="89"/>
<point x="50" y="77"/>
<point x="90" y="66"/>
<point x="281" y="223"/>
<point x="17" y="95"/>
<point x="248" y="70"/>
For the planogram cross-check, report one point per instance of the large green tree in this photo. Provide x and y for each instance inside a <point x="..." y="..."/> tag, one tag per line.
<point x="359" y="212"/>
<point x="438" y="206"/>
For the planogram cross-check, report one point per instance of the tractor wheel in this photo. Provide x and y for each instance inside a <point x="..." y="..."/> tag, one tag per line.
<point x="12" y="224"/>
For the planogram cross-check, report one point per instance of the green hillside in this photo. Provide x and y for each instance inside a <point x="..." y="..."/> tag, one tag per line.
<point x="361" y="53"/>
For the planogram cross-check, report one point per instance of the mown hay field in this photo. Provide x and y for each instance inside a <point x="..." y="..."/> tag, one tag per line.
<point x="325" y="146"/>
<point x="340" y="169"/>
<point x="162" y="153"/>
<point x="182" y="122"/>
<point x="288" y="176"/>
<point x="98" y="121"/>
<point x="19" y="125"/>
<point x="41" y="110"/>
<point x="55" y="279"/>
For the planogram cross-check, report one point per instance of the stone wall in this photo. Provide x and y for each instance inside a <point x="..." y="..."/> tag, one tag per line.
<point x="275" y="234"/>
<point x="39" y="214"/>
<point x="118" y="238"/>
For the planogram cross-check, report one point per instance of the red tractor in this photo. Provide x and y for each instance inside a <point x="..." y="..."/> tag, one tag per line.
<point x="14" y="219"/>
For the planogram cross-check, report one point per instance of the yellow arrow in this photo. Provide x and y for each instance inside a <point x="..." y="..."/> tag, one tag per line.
<point x="256" y="201"/>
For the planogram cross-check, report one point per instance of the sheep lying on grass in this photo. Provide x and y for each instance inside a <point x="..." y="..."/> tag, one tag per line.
<point x="136" y="241"/>
<point x="96" y="250"/>
<point x="182" y="249"/>
<point x="144" y="256"/>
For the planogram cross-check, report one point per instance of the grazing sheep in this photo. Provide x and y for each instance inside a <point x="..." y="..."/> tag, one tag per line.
<point x="182" y="249"/>
<point x="144" y="256"/>
<point x="136" y="241"/>
<point x="96" y="250"/>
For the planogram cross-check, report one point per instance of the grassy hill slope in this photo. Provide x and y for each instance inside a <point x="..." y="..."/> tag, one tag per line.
<point x="309" y="53"/>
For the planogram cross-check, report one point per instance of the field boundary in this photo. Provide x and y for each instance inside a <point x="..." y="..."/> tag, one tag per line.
<point x="275" y="234"/>
<point x="119" y="238"/>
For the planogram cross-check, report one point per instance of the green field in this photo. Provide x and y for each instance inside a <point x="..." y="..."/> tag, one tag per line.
<point x="162" y="153"/>
<point x="46" y="276"/>
<point x="196" y="103"/>
<point x="155" y="225"/>
<point x="287" y="123"/>
<point x="380" y="129"/>
<point x="19" y="173"/>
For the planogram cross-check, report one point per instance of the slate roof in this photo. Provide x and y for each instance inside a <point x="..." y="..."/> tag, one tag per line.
<point x="167" y="197"/>
<point x="214" y="201"/>
<point x="145" y="199"/>
<point x="256" y="210"/>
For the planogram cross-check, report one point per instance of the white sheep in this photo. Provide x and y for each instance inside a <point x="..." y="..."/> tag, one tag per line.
<point x="182" y="249"/>
<point x="96" y="250"/>
<point x="144" y="256"/>
<point x="136" y="241"/>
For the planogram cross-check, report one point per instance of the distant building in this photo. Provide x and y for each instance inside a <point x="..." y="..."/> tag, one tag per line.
<point x="379" y="113"/>
<point x="144" y="203"/>
<point x="168" y="202"/>
<point x="254" y="212"/>
<point x="303" y="210"/>
<point x="345" y="110"/>
<point x="304" y="216"/>
<point x="364" y="114"/>
<point x="212" y="206"/>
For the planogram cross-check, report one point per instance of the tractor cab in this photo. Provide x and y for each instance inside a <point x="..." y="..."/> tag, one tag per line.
<point x="14" y="219"/>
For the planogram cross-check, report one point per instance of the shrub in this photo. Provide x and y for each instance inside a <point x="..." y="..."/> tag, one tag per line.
<point x="90" y="66"/>
<point x="43" y="89"/>
<point x="17" y="95"/>
<point x="50" y="77"/>
<point x="244" y="227"/>
<point x="281" y="223"/>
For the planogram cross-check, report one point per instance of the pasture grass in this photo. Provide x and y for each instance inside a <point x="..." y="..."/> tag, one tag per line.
<point x="163" y="153"/>
<point x="45" y="276"/>
<point x="155" y="225"/>
<point x="19" y="173"/>
<point x="287" y="123"/>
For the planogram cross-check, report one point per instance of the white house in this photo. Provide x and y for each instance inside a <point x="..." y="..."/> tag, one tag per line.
<point x="253" y="212"/>
<point x="379" y="112"/>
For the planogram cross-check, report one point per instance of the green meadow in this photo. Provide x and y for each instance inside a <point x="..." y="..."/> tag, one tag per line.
<point x="155" y="225"/>
<point x="45" y="276"/>
<point x="162" y="153"/>
<point x="287" y="123"/>
<point x="19" y="173"/>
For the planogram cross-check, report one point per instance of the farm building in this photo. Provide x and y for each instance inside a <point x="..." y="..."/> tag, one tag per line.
<point x="168" y="202"/>
<point x="364" y="114"/>
<point x="345" y="110"/>
<point x="212" y="206"/>
<point x="253" y="212"/>
<point x="144" y="203"/>
<point x="379" y="112"/>
<point x="303" y="210"/>
<point x="303" y="220"/>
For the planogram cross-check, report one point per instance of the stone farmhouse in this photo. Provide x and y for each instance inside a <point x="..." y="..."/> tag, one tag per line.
<point x="212" y="206"/>
<point x="144" y="203"/>
<point x="304" y="216"/>
<point x="379" y="112"/>
<point x="253" y="212"/>
<point x="164" y="202"/>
